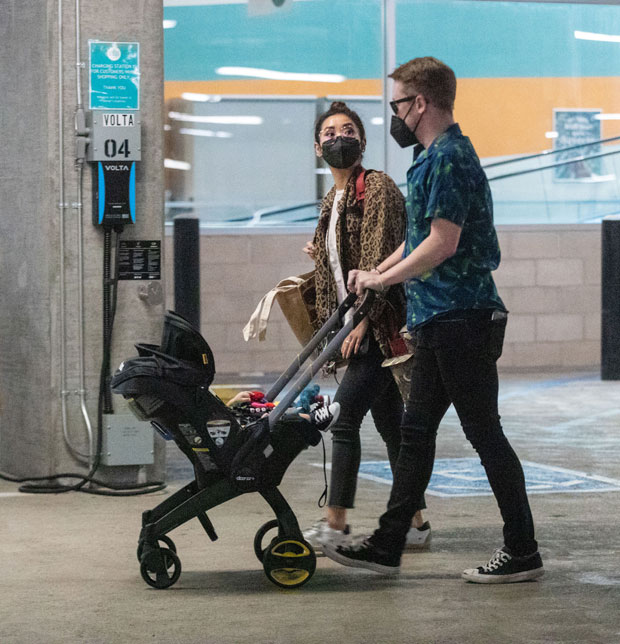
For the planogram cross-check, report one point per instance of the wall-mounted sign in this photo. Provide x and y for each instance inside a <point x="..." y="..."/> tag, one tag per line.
<point x="139" y="260"/>
<point x="575" y="127"/>
<point x="114" y="136"/>
<point x="114" y="75"/>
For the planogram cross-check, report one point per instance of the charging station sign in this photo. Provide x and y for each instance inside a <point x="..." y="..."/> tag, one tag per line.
<point x="114" y="75"/>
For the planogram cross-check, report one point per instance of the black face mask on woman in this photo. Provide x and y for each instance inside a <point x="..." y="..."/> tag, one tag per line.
<point x="341" y="152"/>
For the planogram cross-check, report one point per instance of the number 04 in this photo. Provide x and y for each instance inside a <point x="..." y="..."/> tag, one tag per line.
<point x="111" y="150"/>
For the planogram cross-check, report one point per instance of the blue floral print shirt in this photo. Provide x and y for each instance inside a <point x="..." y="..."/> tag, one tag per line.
<point x="446" y="180"/>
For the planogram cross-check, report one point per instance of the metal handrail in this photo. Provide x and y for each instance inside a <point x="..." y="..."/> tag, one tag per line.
<point x="268" y="212"/>
<point x="553" y="165"/>
<point x="546" y="167"/>
<point x="549" y="152"/>
<point x="263" y="213"/>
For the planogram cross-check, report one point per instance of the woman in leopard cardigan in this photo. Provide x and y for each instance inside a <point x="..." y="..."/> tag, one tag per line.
<point x="354" y="234"/>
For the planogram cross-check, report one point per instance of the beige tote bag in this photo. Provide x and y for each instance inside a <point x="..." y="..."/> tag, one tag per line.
<point x="296" y="296"/>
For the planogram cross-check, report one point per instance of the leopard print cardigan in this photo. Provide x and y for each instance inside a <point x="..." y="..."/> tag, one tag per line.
<point x="364" y="237"/>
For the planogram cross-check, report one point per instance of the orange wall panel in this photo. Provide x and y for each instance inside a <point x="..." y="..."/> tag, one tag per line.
<point x="502" y="116"/>
<point x="511" y="115"/>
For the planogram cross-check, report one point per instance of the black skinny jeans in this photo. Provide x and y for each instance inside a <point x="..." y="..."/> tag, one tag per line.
<point x="455" y="362"/>
<point x="366" y="385"/>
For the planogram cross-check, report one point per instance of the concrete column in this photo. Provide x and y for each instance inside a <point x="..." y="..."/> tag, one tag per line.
<point x="31" y="436"/>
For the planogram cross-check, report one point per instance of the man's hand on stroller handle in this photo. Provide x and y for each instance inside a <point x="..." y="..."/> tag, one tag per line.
<point x="359" y="281"/>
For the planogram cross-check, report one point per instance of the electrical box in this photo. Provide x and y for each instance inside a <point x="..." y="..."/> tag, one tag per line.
<point x="126" y="441"/>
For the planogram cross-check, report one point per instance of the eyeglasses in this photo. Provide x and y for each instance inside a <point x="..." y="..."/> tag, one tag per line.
<point x="346" y="130"/>
<point x="394" y="104"/>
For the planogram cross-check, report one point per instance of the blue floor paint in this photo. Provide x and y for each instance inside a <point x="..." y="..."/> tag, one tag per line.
<point x="466" y="477"/>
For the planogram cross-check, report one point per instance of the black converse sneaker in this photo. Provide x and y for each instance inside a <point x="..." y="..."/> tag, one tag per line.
<point x="362" y="554"/>
<point x="505" y="568"/>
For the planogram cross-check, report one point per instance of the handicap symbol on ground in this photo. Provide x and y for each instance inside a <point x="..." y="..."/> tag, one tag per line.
<point x="466" y="477"/>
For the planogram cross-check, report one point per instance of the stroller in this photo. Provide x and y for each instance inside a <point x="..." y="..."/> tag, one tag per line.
<point x="232" y="452"/>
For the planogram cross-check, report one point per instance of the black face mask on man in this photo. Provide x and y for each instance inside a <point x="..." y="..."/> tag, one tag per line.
<point x="341" y="152"/>
<point x="401" y="133"/>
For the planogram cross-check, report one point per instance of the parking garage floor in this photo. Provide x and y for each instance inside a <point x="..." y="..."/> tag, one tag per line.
<point x="70" y="572"/>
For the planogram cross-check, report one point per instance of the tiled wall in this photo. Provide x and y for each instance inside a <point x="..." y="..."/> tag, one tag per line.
<point x="549" y="279"/>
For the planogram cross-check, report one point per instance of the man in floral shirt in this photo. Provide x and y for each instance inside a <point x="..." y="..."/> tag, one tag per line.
<point x="457" y="320"/>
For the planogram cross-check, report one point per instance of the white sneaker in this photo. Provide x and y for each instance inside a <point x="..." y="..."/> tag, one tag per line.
<point x="320" y="533"/>
<point x="419" y="538"/>
<point x="324" y="417"/>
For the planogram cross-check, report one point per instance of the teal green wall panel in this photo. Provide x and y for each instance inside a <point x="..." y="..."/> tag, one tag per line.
<point x="327" y="36"/>
<point x="478" y="39"/>
<point x="509" y="39"/>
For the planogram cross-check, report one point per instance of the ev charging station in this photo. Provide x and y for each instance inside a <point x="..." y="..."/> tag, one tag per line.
<point x="93" y="112"/>
<point x="114" y="146"/>
<point x="115" y="130"/>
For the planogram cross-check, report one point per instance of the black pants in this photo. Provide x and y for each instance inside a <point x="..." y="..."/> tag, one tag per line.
<point x="366" y="385"/>
<point x="455" y="362"/>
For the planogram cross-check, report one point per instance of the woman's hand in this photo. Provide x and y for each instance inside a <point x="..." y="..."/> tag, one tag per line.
<point x="310" y="250"/>
<point x="354" y="340"/>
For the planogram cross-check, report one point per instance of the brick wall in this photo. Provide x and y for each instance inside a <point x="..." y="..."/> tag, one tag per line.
<point x="549" y="278"/>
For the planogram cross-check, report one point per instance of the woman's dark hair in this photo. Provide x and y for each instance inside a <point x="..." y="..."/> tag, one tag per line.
<point x="338" y="107"/>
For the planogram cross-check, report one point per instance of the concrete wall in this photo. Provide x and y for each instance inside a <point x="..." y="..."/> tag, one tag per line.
<point x="31" y="440"/>
<point x="549" y="278"/>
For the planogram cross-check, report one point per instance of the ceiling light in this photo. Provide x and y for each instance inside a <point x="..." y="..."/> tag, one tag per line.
<point x="173" y="164"/>
<point x="271" y="74"/>
<point x="198" y="132"/>
<point x="588" y="35"/>
<point x="201" y="98"/>
<point x="222" y="120"/>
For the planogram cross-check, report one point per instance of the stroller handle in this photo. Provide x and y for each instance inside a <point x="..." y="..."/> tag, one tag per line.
<point x="313" y="368"/>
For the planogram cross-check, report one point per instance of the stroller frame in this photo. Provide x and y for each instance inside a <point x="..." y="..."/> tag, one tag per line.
<point x="288" y="560"/>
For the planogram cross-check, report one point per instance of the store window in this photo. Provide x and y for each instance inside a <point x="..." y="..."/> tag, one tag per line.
<point x="244" y="82"/>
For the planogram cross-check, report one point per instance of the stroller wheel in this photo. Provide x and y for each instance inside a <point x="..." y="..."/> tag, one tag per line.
<point x="260" y="534"/>
<point x="160" y="568"/>
<point x="164" y="539"/>
<point x="289" y="563"/>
